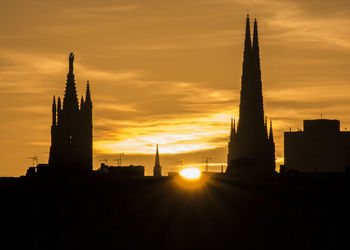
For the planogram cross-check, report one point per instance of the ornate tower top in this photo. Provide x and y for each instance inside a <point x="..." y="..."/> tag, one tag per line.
<point x="71" y="60"/>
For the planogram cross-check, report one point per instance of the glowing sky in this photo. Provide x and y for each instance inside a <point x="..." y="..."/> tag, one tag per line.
<point x="166" y="72"/>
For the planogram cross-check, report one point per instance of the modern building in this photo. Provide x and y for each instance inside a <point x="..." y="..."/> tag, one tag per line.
<point x="321" y="147"/>
<point x="157" y="169"/>
<point x="71" y="130"/>
<point x="251" y="148"/>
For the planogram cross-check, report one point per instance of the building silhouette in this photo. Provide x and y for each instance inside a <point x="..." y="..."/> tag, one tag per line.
<point x="251" y="148"/>
<point x="321" y="147"/>
<point x="71" y="130"/>
<point x="157" y="169"/>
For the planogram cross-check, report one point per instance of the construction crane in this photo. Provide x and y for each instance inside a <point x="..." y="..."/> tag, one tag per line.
<point x="207" y="164"/>
<point x="34" y="159"/>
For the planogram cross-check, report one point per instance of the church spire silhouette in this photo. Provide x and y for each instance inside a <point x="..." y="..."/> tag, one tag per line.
<point x="157" y="169"/>
<point x="71" y="135"/>
<point x="250" y="148"/>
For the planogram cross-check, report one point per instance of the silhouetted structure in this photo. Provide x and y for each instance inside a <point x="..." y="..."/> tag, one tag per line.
<point x="71" y="130"/>
<point x="157" y="169"/>
<point x="251" y="149"/>
<point x="321" y="147"/>
<point x="125" y="171"/>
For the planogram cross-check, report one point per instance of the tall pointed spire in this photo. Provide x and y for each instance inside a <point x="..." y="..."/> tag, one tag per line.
<point x="250" y="148"/>
<point x="255" y="38"/>
<point x="54" y="112"/>
<point x="247" y="41"/>
<point x="157" y="169"/>
<point x="70" y="100"/>
<point x="247" y="50"/>
<point x="82" y="103"/>
<point x="157" y="162"/>
<point x="88" y="96"/>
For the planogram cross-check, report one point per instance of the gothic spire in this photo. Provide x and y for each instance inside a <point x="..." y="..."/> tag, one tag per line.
<point x="256" y="53"/>
<point x="88" y="96"/>
<point x="255" y="38"/>
<point x="59" y="103"/>
<point x="70" y="99"/>
<point x="157" y="162"/>
<point x="247" y="41"/>
<point x="54" y="111"/>
<point x="247" y="49"/>
<point x="81" y="103"/>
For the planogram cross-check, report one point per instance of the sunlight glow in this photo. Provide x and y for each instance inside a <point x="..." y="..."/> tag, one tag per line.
<point x="190" y="173"/>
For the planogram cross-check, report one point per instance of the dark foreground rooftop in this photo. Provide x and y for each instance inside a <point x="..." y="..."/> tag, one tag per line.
<point x="101" y="212"/>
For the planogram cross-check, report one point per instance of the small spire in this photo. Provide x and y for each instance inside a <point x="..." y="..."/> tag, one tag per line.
<point x="88" y="95"/>
<point x="81" y="102"/>
<point x="157" y="161"/>
<point x="59" y="103"/>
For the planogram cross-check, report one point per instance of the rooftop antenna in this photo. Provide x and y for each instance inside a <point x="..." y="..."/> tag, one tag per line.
<point x="35" y="160"/>
<point x="119" y="160"/>
<point x="207" y="164"/>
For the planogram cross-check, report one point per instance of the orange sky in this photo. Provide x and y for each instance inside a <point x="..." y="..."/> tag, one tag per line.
<point x="166" y="72"/>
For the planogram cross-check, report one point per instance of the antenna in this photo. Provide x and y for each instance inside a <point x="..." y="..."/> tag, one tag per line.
<point x="119" y="160"/>
<point x="35" y="160"/>
<point x="207" y="163"/>
<point x="321" y="111"/>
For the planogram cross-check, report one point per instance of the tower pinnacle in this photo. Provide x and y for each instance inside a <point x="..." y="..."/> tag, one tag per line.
<point x="71" y="60"/>
<point x="157" y="169"/>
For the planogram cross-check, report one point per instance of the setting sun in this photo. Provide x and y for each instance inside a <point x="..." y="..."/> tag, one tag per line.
<point x="190" y="173"/>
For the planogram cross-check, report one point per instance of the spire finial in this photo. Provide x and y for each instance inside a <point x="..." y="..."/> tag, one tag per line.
<point x="71" y="60"/>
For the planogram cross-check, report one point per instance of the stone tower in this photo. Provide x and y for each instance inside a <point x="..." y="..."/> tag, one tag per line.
<point x="71" y="130"/>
